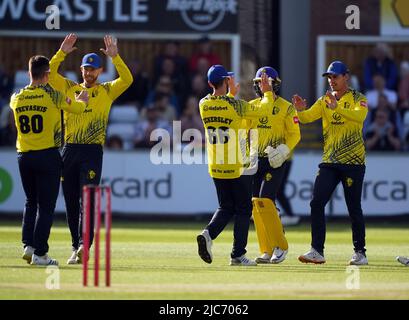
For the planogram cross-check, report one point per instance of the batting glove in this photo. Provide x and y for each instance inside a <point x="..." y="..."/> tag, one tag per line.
<point x="277" y="156"/>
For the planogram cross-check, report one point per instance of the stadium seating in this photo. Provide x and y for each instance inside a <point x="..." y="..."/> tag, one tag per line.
<point x="122" y="120"/>
<point x="125" y="131"/>
<point x="123" y="114"/>
<point x="21" y="79"/>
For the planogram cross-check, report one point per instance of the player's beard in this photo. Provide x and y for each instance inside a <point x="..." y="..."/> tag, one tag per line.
<point x="90" y="80"/>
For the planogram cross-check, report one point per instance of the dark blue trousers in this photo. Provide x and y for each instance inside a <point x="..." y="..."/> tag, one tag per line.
<point x="40" y="173"/>
<point x="82" y="165"/>
<point x="351" y="177"/>
<point x="234" y="196"/>
<point x="267" y="181"/>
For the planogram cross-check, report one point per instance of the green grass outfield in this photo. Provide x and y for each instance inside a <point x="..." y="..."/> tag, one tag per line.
<point x="160" y="261"/>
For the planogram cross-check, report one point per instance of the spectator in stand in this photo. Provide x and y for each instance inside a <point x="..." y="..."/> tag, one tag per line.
<point x="114" y="142"/>
<point x="137" y="92"/>
<point x="382" y="134"/>
<point x="165" y="86"/>
<point x="394" y="115"/>
<point x="8" y="131"/>
<point x="178" y="79"/>
<point x="380" y="89"/>
<point x="191" y="119"/>
<point x="166" y="110"/>
<point x="380" y="63"/>
<point x="171" y="51"/>
<point x="404" y="88"/>
<point x="202" y="67"/>
<point x="204" y="50"/>
<point x="199" y="87"/>
<point x="6" y="87"/>
<point x="145" y="127"/>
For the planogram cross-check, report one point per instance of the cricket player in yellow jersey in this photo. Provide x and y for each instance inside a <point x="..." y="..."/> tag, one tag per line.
<point x="226" y="143"/>
<point x="343" y="112"/>
<point x="85" y="133"/>
<point x="278" y="133"/>
<point x="36" y="109"/>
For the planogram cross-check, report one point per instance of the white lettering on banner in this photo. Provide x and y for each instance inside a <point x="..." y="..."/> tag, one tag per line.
<point x="86" y="11"/>
<point x="203" y="15"/>
<point x="137" y="10"/>
<point x="14" y="7"/>
<point x="78" y="10"/>
<point x="65" y="9"/>
<point x="34" y="14"/>
<point x="118" y="16"/>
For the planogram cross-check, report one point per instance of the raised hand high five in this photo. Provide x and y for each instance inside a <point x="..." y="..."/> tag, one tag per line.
<point x="111" y="48"/>
<point x="67" y="46"/>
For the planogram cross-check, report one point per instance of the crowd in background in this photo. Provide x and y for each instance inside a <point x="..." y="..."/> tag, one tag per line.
<point x="177" y="84"/>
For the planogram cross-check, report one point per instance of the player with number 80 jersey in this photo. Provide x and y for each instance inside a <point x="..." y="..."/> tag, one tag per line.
<point x="38" y="118"/>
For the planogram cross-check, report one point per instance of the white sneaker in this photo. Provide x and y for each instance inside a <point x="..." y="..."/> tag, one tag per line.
<point x="44" y="260"/>
<point x="278" y="255"/>
<point x="204" y="244"/>
<point x="290" y="220"/>
<point x="28" y="253"/>
<point x="264" y="258"/>
<point x="73" y="258"/>
<point x="80" y="254"/>
<point x="358" y="259"/>
<point x="312" y="256"/>
<point x="242" y="261"/>
<point x="403" y="260"/>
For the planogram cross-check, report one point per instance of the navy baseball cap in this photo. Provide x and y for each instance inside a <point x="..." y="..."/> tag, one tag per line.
<point x="91" y="60"/>
<point x="271" y="73"/>
<point x="217" y="73"/>
<point x="336" y="68"/>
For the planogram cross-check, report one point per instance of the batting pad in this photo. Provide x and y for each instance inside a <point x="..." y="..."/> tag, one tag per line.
<point x="269" y="224"/>
<point x="265" y="242"/>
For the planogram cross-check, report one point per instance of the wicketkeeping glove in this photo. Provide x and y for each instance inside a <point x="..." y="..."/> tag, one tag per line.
<point x="277" y="156"/>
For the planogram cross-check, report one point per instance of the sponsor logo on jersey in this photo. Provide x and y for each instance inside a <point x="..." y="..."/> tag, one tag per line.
<point x="263" y="120"/>
<point x="296" y="120"/>
<point x="364" y="104"/>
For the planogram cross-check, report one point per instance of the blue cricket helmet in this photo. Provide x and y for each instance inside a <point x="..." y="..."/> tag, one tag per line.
<point x="272" y="74"/>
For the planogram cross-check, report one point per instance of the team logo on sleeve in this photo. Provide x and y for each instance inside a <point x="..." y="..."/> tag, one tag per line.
<point x="364" y="104"/>
<point x="296" y="120"/>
